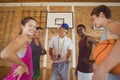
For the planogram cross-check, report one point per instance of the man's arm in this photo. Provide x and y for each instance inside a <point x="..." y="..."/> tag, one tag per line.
<point x="68" y="54"/>
<point x="51" y="51"/>
<point x="52" y="55"/>
<point x="92" y="40"/>
<point x="44" y="52"/>
<point x="112" y="59"/>
<point x="69" y="51"/>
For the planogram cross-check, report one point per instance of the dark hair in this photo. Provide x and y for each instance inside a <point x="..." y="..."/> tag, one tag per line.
<point x="81" y="25"/>
<point x="102" y="8"/>
<point x="37" y="28"/>
<point x="25" y="20"/>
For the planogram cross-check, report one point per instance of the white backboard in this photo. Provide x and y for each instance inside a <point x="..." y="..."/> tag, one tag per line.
<point x="55" y="19"/>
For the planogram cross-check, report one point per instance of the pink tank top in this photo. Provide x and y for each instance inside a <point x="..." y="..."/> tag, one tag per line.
<point x="27" y="59"/>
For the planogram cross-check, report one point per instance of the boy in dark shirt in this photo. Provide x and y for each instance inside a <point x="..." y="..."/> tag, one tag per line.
<point x="37" y="51"/>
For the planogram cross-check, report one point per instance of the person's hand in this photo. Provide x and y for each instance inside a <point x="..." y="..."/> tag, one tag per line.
<point x="53" y="57"/>
<point x="87" y="61"/>
<point x="64" y="58"/>
<point x="91" y="61"/>
<point x="76" y="72"/>
<point x="20" y="70"/>
<point x="44" y="52"/>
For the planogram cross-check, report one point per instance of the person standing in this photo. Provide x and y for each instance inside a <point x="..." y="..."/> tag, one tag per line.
<point x="37" y="51"/>
<point x="84" y="68"/>
<point x="101" y="17"/>
<point x="60" y="48"/>
<point x="19" y="52"/>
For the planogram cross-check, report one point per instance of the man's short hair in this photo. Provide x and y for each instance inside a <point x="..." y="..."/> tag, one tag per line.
<point x="102" y="8"/>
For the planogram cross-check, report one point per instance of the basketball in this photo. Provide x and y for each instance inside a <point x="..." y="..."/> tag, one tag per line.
<point x="102" y="50"/>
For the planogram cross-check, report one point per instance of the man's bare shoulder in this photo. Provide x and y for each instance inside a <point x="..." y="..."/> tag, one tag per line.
<point x="113" y="26"/>
<point x="90" y="37"/>
<point x="92" y="40"/>
<point x="114" y="23"/>
<point x="113" y="29"/>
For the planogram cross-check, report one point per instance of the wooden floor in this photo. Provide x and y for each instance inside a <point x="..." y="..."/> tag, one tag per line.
<point x="45" y="73"/>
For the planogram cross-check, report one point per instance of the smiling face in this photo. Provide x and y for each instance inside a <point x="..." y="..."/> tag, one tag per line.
<point x="80" y="30"/>
<point x="97" y="21"/>
<point x="63" y="30"/>
<point x="39" y="33"/>
<point x="29" y="28"/>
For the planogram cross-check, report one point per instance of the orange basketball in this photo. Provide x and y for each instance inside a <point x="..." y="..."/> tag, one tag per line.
<point x="102" y="50"/>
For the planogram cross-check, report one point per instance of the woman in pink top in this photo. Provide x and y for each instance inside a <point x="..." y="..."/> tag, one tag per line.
<point x="18" y="52"/>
